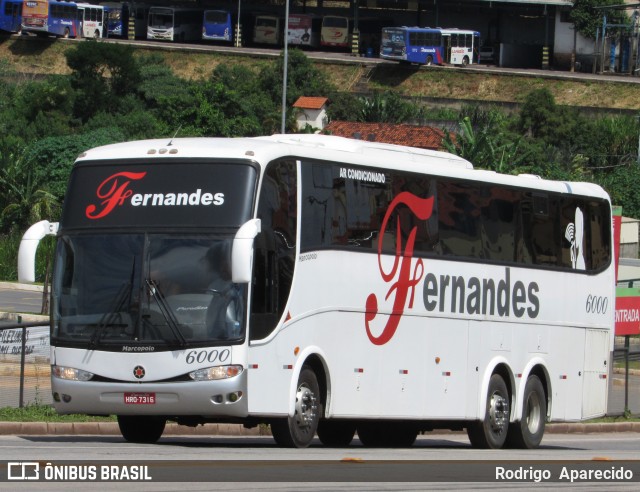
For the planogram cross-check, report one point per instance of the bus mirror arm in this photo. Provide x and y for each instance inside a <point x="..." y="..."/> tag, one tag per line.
<point x="29" y="246"/>
<point x="242" y="251"/>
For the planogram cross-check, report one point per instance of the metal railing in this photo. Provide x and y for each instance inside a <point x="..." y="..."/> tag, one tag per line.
<point x="624" y="390"/>
<point x="25" y="372"/>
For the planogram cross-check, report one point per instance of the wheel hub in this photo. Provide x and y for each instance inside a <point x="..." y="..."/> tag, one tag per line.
<point x="306" y="406"/>
<point x="498" y="412"/>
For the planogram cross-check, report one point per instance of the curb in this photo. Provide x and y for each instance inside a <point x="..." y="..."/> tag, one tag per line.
<point x="111" y="429"/>
<point x="18" y="286"/>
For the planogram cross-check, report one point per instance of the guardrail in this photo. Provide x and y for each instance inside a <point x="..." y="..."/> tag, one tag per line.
<point x="25" y="372"/>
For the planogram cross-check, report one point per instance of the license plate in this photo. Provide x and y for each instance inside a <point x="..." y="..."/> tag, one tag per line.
<point x="140" y="398"/>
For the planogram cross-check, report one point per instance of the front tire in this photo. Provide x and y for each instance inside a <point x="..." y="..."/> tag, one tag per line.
<point x="491" y="432"/>
<point x="465" y="61"/>
<point x="528" y="432"/>
<point x="298" y="431"/>
<point x="429" y="61"/>
<point x="141" y="429"/>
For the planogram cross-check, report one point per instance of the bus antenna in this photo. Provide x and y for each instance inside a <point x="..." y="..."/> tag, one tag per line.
<point x="174" y="136"/>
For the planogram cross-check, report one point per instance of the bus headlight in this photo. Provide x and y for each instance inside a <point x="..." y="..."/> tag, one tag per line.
<point x="217" y="372"/>
<point x="71" y="373"/>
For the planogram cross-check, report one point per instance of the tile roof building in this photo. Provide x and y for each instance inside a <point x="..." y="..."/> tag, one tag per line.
<point x="312" y="112"/>
<point x="425" y="137"/>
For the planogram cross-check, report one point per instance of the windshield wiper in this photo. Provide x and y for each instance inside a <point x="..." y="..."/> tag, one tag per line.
<point x="108" y="317"/>
<point x="165" y="310"/>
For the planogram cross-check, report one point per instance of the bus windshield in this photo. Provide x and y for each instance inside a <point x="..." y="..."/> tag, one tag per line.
<point x="133" y="292"/>
<point x="161" y="18"/>
<point x="144" y="251"/>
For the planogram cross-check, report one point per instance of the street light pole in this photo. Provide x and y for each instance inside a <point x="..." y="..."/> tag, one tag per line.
<point x="238" y="43"/>
<point x="286" y="63"/>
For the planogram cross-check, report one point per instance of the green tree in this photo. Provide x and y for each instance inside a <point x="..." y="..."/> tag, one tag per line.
<point x="50" y="160"/>
<point x="101" y="74"/>
<point x="168" y="98"/>
<point x="303" y="79"/>
<point x="588" y="19"/>
<point x="24" y="201"/>
<point x="385" y="107"/>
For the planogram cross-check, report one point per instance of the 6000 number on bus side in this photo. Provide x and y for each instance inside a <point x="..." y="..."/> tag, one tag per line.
<point x="210" y="356"/>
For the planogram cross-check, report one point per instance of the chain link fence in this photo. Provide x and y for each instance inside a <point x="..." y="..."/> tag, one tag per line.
<point x="25" y="373"/>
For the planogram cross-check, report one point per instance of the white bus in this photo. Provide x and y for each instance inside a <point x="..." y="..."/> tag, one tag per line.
<point x="174" y="24"/>
<point x="94" y="20"/>
<point x="327" y="285"/>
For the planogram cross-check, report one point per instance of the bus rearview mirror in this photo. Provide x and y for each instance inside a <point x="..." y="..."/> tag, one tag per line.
<point x="242" y="251"/>
<point x="29" y="246"/>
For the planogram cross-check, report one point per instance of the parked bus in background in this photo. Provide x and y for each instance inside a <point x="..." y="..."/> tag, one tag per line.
<point x="217" y="25"/>
<point x="335" y="31"/>
<point x="11" y="15"/>
<point x="118" y="18"/>
<point x="93" y="20"/>
<point x="174" y="24"/>
<point x="426" y="45"/>
<point x="330" y="285"/>
<point x="304" y="30"/>
<point x="50" y="17"/>
<point x="267" y="29"/>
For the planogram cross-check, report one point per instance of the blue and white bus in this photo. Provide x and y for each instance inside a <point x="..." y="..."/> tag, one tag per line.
<point x="11" y="15"/>
<point x="217" y="26"/>
<point x="120" y="16"/>
<point x="428" y="46"/>
<point x="50" y="17"/>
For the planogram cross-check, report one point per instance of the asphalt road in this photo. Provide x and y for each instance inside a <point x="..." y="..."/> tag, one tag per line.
<point x="441" y="461"/>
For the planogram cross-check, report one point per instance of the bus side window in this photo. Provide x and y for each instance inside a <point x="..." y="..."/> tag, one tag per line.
<point x="275" y="248"/>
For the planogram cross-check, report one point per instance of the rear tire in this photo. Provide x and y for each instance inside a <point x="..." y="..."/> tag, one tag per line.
<point x="429" y="61"/>
<point x="336" y="433"/>
<point x="141" y="429"/>
<point x="298" y="431"/>
<point x="491" y="432"/>
<point x="528" y="432"/>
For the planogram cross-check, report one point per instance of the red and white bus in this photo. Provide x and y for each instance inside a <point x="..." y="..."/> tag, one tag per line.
<point x="335" y="31"/>
<point x="327" y="286"/>
<point x="94" y="20"/>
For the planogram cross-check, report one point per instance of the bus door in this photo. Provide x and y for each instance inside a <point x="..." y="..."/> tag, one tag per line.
<point x="446" y="48"/>
<point x="12" y="17"/>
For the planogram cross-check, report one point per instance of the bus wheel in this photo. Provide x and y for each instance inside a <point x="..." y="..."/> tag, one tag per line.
<point x="66" y="33"/>
<point x="429" y="60"/>
<point x="141" y="429"/>
<point x="298" y="431"/>
<point x="377" y="434"/>
<point x="465" y="61"/>
<point x="336" y="433"/>
<point x="528" y="432"/>
<point x="491" y="432"/>
<point x="96" y="34"/>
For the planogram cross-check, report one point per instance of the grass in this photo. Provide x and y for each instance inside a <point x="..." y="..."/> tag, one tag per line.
<point x="45" y="413"/>
<point x="27" y="59"/>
